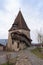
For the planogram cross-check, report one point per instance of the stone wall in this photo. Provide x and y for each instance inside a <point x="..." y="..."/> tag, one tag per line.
<point x="27" y="33"/>
<point x="14" y="46"/>
<point x="22" y="45"/>
<point x="11" y="46"/>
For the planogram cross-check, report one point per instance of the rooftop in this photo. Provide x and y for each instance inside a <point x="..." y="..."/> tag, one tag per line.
<point x="19" y="23"/>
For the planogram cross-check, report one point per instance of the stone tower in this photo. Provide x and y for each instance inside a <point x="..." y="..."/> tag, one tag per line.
<point x="19" y="34"/>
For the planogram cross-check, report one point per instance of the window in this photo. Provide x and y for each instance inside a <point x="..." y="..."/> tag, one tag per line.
<point x="12" y="34"/>
<point x="12" y="41"/>
<point x="18" y="45"/>
<point x="15" y="25"/>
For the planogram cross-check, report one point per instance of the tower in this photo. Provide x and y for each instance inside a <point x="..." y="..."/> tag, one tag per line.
<point x="19" y="34"/>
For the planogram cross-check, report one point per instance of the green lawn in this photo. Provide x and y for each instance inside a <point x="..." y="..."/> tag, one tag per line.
<point x="37" y="52"/>
<point x="6" y="64"/>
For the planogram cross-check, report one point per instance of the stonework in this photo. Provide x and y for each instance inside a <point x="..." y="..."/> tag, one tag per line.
<point x="23" y="60"/>
<point x="19" y="34"/>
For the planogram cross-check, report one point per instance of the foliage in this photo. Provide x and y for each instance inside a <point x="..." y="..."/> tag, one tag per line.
<point x="39" y="49"/>
<point x="37" y="52"/>
<point x="7" y="64"/>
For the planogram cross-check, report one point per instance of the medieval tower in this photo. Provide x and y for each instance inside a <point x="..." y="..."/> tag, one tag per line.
<point x="19" y="34"/>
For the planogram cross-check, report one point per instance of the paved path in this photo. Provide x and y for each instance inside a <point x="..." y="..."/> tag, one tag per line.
<point x="3" y="57"/>
<point x="33" y="60"/>
<point x="22" y="59"/>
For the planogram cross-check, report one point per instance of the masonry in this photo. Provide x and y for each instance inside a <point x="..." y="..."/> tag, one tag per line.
<point x="19" y="34"/>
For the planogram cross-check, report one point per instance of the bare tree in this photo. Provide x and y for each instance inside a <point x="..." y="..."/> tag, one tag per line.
<point x="40" y="37"/>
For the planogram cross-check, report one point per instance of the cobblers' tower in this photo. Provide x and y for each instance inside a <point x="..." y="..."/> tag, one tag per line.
<point x="19" y="34"/>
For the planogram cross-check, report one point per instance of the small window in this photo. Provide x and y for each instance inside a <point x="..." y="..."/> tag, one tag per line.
<point x="18" y="45"/>
<point x="12" y="34"/>
<point x="12" y="41"/>
<point x="15" y="25"/>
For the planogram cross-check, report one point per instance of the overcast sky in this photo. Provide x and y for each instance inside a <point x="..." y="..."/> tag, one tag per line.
<point x="32" y="11"/>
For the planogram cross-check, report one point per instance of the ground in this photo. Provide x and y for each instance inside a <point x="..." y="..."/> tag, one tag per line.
<point x="26" y="57"/>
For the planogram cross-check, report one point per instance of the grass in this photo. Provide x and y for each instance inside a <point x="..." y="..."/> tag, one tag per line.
<point x="4" y="64"/>
<point x="37" y="52"/>
<point x="7" y="64"/>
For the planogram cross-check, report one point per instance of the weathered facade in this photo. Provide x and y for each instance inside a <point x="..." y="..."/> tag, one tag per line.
<point x="19" y="34"/>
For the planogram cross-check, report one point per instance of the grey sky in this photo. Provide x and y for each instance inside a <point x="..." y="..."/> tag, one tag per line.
<point x="32" y="11"/>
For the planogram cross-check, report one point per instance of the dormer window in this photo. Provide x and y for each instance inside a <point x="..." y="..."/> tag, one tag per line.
<point x="15" y="25"/>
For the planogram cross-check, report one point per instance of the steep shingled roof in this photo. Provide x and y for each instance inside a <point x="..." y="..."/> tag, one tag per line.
<point x="19" y="23"/>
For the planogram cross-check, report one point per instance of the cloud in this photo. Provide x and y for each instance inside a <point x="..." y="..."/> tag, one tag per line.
<point x="8" y="8"/>
<point x="32" y="11"/>
<point x="33" y="14"/>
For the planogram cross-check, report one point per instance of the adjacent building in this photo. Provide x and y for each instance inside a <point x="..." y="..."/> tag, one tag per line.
<point x="2" y="47"/>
